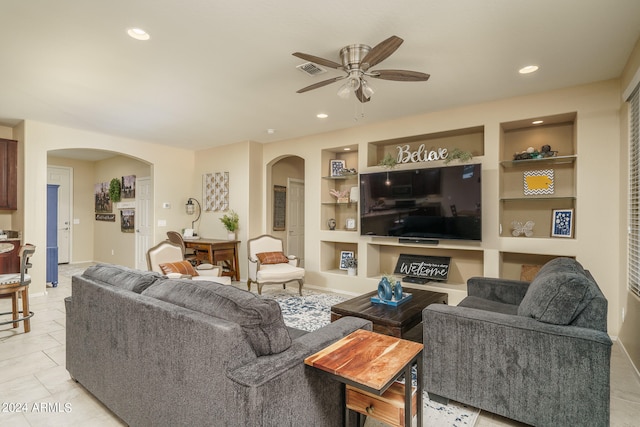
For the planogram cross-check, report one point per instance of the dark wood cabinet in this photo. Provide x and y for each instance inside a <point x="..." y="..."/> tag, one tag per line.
<point x="10" y="261"/>
<point x="8" y="174"/>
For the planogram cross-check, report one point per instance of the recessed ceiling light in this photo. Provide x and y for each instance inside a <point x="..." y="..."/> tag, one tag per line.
<point x="138" y="34"/>
<point x="347" y="149"/>
<point x="528" y="69"/>
<point x="322" y="116"/>
<point x="271" y="131"/>
<point x="537" y="122"/>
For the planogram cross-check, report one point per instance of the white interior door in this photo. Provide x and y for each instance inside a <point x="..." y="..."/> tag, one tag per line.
<point x="295" y="216"/>
<point x="143" y="220"/>
<point x="63" y="176"/>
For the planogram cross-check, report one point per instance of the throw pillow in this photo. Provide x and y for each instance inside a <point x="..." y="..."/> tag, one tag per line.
<point x="556" y="297"/>
<point x="272" y="258"/>
<point x="182" y="267"/>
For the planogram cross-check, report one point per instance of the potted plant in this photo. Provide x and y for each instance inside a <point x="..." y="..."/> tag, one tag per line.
<point x="461" y="155"/>
<point x="388" y="161"/>
<point x="230" y="222"/>
<point x="114" y="190"/>
<point x="352" y="266"/>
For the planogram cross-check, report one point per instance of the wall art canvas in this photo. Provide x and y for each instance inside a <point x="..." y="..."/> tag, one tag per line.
<point x="127" y="220"/>
<point x="129" y="187"/>
<point x="538" y="182"/>
<point x="562" y="225"/>
<point x="336" y="167"/>
<point x="101" y="197"/>
<point x="344" y="256"/>
<point x="216" y="191"/>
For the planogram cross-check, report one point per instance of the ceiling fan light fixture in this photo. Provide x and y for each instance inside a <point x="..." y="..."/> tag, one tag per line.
<point x="367" y="90"/>
<point x="344" y="91"/>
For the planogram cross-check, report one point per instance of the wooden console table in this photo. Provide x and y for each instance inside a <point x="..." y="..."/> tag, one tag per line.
<point x="369" y="364"/>
<point x="214" y="251"/>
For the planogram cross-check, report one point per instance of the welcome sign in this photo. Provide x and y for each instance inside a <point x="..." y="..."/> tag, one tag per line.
<point x="426" y="268"/>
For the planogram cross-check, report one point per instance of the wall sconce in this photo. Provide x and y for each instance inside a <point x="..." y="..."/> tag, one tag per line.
<point x="191" y="208"/>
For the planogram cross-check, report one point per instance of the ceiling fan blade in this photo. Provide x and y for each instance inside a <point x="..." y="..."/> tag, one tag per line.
<point x="320" y="84"/>
<point x="380" y="52"/>
<point x="317" y="60"/>
<point x="361" y="96"/>
<point x="400" y="75"/>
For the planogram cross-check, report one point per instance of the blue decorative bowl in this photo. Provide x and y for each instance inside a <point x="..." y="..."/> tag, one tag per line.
<point x="384" y="289"/>
<point x="397" y="291"/>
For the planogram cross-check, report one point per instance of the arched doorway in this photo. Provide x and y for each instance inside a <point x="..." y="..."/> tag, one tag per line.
<point x="286" y="203"/>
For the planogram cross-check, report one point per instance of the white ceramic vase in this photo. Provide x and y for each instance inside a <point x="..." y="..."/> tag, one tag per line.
<point x="231" y="235"/>
<point x="351" y="271"/>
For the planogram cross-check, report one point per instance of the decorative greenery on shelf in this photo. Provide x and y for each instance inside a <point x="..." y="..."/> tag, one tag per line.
<point x="230" y="221"/>
<point x="114" y="190"/>
<point x="392" y="280"/>
<point x="456" y="153"/>
<point x="388" y="161"/>
<point x="351" y="262"/>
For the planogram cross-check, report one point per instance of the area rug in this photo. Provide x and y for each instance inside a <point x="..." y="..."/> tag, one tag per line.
<point x="312" y="310"/>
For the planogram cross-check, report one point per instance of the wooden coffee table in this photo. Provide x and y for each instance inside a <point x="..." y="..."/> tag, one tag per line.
<point x="403" y="321"/>
<point x="369" y="364"/>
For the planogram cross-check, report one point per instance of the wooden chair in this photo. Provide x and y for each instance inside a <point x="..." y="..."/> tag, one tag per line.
<point x="188" y="254"/>
<point x="271" y="270"/>
<point x="17" y="284"/>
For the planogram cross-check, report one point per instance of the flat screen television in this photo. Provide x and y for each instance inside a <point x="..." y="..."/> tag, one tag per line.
<point x="438" y="203"/>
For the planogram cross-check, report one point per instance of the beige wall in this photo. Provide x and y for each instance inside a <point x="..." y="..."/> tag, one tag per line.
<point x="168" y="173"/>
<point x="110" y="243"/>
<point x="243" y="161"/>
<point x="599" y="198"/>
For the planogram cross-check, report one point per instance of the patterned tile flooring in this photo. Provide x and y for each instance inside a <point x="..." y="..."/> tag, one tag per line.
<point x="35" y="388"/>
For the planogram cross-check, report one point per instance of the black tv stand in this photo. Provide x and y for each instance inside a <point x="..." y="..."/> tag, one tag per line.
<point x="418" y="241"/>
<point x="418" y="280"/>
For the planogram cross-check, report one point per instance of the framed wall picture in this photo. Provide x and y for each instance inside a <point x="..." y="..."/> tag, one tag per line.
<point x="336" y="167"/>
<point x="279" y="207"/>
<point x="562" y="223"/>
<point x="344" y="256"/>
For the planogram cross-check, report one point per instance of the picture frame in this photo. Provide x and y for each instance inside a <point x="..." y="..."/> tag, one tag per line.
<point x="336" y="167"/>
<point x="562" y="223"/>
<point x="344" y="256"/>
<point x="279" y="207"/>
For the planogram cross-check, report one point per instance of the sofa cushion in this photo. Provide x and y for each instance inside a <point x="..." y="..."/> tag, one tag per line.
<point x="272" y="258"/>
<point x="260" y="319"/>
<point x="488" y="305"/>
<point x="122" y="277"/>
<point x="181" y="267"/>
<point x="279" y="273"/>
<point x="557" y="297"/>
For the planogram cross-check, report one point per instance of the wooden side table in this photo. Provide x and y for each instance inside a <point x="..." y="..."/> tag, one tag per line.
<point x="369" y="364"/>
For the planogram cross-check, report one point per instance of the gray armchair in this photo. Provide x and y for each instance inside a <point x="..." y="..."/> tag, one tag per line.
<point x="535" y="352"/>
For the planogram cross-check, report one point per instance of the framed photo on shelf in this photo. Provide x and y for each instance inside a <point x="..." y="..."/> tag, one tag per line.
<point x="562" y="223"/>
<point x="344" y="256"/>
<point x="336" y="167"/>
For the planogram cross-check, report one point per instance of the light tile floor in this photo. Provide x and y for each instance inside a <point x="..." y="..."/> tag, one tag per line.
<point x="35" y="388"/>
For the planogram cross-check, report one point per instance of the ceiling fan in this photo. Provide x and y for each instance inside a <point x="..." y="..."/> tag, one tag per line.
<point x="357" y="60"/>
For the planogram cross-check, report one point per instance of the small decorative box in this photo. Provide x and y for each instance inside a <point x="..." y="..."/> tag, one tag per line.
<point x="394" y="303"/>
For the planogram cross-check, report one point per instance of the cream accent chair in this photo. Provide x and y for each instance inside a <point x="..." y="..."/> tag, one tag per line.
<point x="271" y="274"/>
<point x="167" y="251"/>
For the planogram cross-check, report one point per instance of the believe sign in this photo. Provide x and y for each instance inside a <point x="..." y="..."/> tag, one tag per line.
<point x="420" y="155"/>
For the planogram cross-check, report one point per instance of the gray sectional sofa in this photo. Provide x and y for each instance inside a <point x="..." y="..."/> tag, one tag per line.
<point x="167" y="352"/>
<point x="535" y="352"/>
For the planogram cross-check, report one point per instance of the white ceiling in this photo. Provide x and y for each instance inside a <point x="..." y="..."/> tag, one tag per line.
<point x="217" y="72"/>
